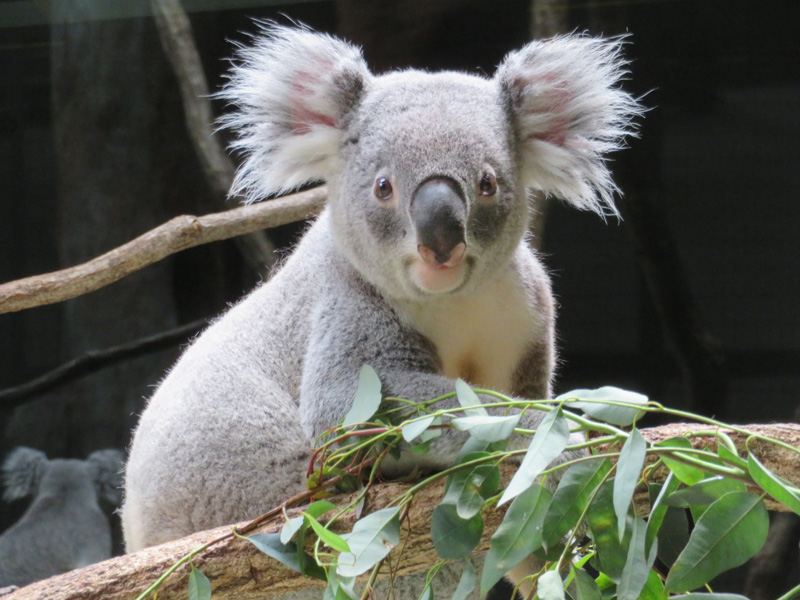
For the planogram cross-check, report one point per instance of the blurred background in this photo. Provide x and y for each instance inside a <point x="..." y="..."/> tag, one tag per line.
<point x="693" y="298"/>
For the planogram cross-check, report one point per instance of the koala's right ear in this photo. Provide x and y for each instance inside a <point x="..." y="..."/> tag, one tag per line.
<point x="22" y="471"/>
<point x="293" y="90"/>
<point x="108" y="467"/>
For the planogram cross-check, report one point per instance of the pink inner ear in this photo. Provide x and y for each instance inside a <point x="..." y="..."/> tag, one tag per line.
<point x="554" y="98"/>
<point x="304" y="88"/>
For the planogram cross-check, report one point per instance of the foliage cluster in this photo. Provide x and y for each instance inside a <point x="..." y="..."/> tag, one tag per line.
<point x="707" y="516"/>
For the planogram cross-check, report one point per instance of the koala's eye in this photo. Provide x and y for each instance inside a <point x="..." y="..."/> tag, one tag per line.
<point x="383" y="189"/>
<point x="488" y="185"/>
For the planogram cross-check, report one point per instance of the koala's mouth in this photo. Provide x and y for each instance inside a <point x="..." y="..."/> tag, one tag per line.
<point x="440" y="279"/>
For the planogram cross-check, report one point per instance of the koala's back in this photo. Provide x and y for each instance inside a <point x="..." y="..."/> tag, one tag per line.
<point x="227" y="412"/>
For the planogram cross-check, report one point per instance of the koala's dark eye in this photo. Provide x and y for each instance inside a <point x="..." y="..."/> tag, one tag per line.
<point x="383" y="189"/>
<point x="488" y="185"/>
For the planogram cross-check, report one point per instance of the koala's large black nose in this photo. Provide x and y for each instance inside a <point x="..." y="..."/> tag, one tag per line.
<point x="439" y="213"/>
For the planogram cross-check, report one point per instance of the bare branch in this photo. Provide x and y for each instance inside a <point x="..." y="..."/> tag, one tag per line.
<point x="173" y="236"/>
<point x="237" y="570"/>
<point x="95" y="360"/>
<point x="175" y="31"/>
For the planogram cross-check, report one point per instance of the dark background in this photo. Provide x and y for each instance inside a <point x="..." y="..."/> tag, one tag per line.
<point x="691" y="299"/>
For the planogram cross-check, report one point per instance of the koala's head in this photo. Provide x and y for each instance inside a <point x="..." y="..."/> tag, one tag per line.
<point x="429" y="173"/>
<point x="28" y="472"/>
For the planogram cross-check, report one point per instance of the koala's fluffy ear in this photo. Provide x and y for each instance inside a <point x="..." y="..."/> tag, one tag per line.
<point x="293" y="90"/>
<point x="568" y="113"/>
<point x="107" y="465"/>
<point x="22" y="471"/>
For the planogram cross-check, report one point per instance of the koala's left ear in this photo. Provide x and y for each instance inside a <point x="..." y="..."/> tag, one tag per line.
<point x="568" y="112"/>
<point x="22" y="472"/>
<point x="293" y="90"/>
<point x="107" y="466"/>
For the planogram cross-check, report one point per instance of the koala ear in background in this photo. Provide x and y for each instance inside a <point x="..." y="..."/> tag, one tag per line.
<point x="292" y="91"/>
<point x="569" y="112"/>
<point x="22" y="471"/>
<point x="108" y="478"/>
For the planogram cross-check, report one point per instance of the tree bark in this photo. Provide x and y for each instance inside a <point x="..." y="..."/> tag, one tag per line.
<point x="238" y="570"/>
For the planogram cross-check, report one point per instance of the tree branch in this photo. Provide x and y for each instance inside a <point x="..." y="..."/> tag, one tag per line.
<point x="173" y="236"/>
<point x="177" y="40"/>
<point x="237" y="570"/>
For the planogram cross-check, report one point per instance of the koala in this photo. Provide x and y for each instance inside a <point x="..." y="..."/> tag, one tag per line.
<point x="418" y="266"/>
<point x="64" y="527"/>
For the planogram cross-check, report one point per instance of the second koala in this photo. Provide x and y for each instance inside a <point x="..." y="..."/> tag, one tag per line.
<point x="418" y="266"/>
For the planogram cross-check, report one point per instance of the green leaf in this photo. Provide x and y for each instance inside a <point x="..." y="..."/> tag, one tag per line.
<point x="658" y="509"/>
<point x="270" y="544"/>
<point x="584" y="586"/>
<point x="550" y="586"/>
<point x="367" y="399"/>
<point x="705" y="492"/>
<point x="371" y="540"/>
<point x="610" y="555"/>
<point x="290" y="528"/>
<point x="673" y="535"/>
<point x="199" y="586"/>
<point x="731" y="531"/>
<point x="616" y="415"/>
<point x="469" y="487"/>
<point x="469" y="400"/>
<point x="726" y="450"/>
<point x="637" y="567"/>
<point x="519" y="535"/>
<point x="427" y="593"/>
<point x="467" y="582"/>
<point x="653" y="588"/>
<point x="629" y="468"/>
<point x="416" y="428"/>
<point x="772" y="484"/>
<point x="686" y="473"/>
<point x="550" y="439"/>
<point x="453" y="537"/>
<point x="339" y="588"/>
<point x="326" y="535"/>
<point x="487" y="428"/>
<point x="574" y="491"/>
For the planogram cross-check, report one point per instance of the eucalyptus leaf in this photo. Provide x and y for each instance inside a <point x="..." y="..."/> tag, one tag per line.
<point x="271" y="545"/>
<point x="637" y="566"/>
<point x="653" y="588"/>
<point x="467" y="582"/>
<point x="658" y="508"/>
<point x="199" y="585"/>
<point x="367" y="398"/>
<point x="705" y="492"/>
<point x="550" y="439"/>
<point x="730" y="532"/>
<point x="686" y="473"/>
<point x="453" y="537"/>
<point x="339" y="588"/>
<point x="591" y="403"/>
<point x="673" y="535"/>
<point x="550" y="586"/>
<point x="629" y="468"/>
<point x="469" y="400"/>
<point x="290" y="528"/>
<point x="415" y="428"/>
<point x="575" y="490"/>
<point x="468" y="488"/>
<point x="519" y="535"/>
<point x="488" y="428"/>
<point x="427" y="593"/>
<point x="610" y="555"/>
<point x="372" y="538"/>
<point x="326" y="535"/>
<point x="772" y="484"/>
<point x="584" y="586"/>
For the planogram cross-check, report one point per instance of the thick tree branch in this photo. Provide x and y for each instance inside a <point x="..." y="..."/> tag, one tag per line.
<point x="173" y="236"/>
<point x="237" y="570"/>
<point x="175" y="32"/>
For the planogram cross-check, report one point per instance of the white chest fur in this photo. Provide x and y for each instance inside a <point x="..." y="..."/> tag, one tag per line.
<point x="482" y="337"/>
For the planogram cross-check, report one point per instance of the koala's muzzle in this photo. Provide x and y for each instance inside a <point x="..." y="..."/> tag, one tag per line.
<point x="439" y="213"/>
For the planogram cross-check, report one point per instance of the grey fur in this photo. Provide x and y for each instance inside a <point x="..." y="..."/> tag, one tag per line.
<point x="229" y="431"/>
<point x="64" y="528"/>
